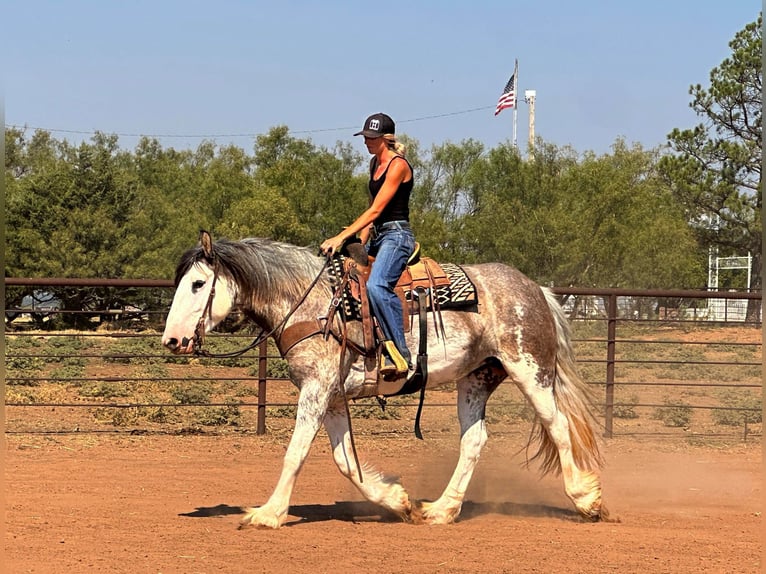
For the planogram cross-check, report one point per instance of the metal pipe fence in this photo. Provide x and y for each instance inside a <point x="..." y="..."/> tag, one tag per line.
<point x="609" y="327"/>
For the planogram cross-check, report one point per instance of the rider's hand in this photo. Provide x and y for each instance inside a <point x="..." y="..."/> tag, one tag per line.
<point x="330" y="246"/>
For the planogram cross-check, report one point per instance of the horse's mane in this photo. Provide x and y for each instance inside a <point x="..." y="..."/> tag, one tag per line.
<point x="260" y="267"/>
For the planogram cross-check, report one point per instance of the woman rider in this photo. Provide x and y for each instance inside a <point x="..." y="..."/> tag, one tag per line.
<point x="386" y="220"/>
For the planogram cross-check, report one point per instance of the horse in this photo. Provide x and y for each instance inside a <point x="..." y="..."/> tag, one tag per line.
<point x="516" y="332"/>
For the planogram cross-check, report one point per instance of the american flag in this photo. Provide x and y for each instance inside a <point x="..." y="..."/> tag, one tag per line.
<point x="508" y="99"/>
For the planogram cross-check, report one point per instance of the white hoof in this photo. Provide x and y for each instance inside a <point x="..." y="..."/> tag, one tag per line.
<point x="388" y="493"/>
<point x="434" y="513"/>
<point x="587" y="498"/>
<point x="595" y="512"/>
<point x="262" y="517"/>
<point x="398" y="502"/>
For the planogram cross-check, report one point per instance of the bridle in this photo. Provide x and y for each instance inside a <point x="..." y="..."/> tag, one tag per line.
<point x="199" y="330"/>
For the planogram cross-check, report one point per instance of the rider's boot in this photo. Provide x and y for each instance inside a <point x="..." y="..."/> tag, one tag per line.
<point x="391" y="361"/>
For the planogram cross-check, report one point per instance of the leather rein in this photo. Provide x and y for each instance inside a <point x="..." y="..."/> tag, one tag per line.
<point x="199" y="330"/>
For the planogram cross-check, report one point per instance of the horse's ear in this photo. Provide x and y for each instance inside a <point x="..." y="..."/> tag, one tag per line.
<point x="206" y="242"/>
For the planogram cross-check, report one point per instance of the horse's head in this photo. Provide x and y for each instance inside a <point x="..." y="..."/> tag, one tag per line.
<point x="203" y="298"/>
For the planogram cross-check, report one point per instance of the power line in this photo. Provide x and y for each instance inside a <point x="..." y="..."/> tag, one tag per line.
<point x="239" y="135"/>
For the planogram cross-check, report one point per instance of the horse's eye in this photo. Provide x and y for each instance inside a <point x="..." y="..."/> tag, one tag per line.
<point x="197" y="285"/>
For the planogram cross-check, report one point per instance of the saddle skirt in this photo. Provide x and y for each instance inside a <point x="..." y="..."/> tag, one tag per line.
<point x="447" y="287"/>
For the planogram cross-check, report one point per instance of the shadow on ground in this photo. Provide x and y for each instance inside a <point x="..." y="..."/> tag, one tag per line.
<point x="361" y="511"/>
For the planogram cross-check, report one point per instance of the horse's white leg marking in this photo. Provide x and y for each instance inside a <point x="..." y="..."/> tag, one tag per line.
<point x="377" y="488"/>
<point x="582" y="486"/>
<point x="473" y="392"/>
<point x="312" y="405"/>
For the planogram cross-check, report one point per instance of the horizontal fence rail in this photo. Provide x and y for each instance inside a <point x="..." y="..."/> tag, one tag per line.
<point x="92" y="345"/>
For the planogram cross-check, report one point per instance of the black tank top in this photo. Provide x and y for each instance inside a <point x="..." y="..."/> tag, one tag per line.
<point x="398" y="209"/>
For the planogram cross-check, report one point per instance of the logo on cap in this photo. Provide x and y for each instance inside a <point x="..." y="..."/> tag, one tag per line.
<point x="376" y="126"/>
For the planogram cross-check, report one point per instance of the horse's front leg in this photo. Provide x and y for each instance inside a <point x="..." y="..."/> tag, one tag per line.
<point x="374" y="486"/>
<point x="312" y="405"/>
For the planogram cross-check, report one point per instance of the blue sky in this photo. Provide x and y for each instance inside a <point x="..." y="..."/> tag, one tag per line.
<point x="602" y="69"/>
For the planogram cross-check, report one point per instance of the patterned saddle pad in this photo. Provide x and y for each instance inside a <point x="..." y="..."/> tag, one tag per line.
<point x="460" y="293"/>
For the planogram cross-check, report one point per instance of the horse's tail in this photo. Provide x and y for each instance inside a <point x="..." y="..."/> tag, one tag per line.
<point x="574" y="399"/>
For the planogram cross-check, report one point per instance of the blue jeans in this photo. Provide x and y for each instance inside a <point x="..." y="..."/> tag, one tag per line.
<point x="391" y="249"/>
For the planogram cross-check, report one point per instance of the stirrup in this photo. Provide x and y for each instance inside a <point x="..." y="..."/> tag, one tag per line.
<point x="396" y="365"/>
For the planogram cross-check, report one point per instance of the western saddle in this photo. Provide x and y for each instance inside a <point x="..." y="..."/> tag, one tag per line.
<point x="416" y="289"/>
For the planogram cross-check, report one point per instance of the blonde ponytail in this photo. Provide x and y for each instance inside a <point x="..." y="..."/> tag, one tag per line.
<point x="397" y="147"/>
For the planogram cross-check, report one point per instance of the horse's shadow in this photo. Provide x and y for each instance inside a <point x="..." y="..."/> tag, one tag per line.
<point x="362" y="511"/>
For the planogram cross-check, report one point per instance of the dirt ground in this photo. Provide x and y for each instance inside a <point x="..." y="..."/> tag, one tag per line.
<point x="171" y="504"/>
<point x="92" y="502"/>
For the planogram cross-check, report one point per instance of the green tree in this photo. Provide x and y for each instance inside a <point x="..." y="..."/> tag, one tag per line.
<point x="597" y="221"/>
<point x="621" y="225"/>
<point x="514" y="221"/>
<point x="67" y="207"/>
<point x="263" y="212"/>
<point x="322" y="187"/>
<point x="445" y="197"/>
<point x="715" y="167"/>
<point x="223" y="176"/>
<point x="168" y="212"/>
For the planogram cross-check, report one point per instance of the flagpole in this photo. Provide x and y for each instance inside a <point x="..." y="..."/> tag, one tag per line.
<point x="515" y="100"/>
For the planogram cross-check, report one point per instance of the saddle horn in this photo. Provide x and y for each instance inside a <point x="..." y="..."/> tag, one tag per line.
<point x="358" y="253"/>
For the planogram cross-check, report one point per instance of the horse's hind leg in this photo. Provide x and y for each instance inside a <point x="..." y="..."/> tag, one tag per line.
<point x="473" y="393"/>
<point x="377" y="488"/>
<point x="567" y="442"/>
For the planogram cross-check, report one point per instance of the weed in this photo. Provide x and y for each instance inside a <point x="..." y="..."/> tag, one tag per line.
<point x="131" y="350"/>
<point x="191" y="394"/>
<point x="127" y="416"/>
<point x="275" y="369"/>
<point x="153" y="371"/>
<point x="626" y="409"/>
<point x="675" y="414"/>
<point x="69" y="345"/>
<point x="376" y="412"/>
<point x="26" y="344"/>
<point x="735" y="416"/>
<point x="116" y="416"/>
<point x="229" y="415"/>
<point x="683" y="372"/>
<point x="592" y="372"/>
<point x="242" y="389"/>
<point x="68" y="371"/>
<point x="20" y="395"/>
<point x="23" y="366"/>
<point x="103" y="389"/>
<point x="161" y="415"/>
<point x="282" y="412"/>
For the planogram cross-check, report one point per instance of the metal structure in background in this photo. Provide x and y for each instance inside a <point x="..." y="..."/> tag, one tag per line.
<point x="588" y="304"/>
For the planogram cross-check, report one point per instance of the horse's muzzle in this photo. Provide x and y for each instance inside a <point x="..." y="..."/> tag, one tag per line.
<point x="184" y="348"/>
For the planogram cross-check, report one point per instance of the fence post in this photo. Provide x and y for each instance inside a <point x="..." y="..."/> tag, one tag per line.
<point x="262" y="372"/>
<point x="611" y="334"/>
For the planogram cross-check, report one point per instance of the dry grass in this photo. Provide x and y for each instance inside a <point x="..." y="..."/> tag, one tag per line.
<point x="677" y="380"/>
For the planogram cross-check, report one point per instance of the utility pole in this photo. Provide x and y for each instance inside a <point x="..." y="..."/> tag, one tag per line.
<point x="529" y="97"/>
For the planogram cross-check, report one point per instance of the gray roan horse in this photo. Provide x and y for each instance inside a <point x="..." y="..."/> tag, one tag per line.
<point x="517" y="332"/>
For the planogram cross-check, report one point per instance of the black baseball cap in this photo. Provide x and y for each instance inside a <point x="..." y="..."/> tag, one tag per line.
<point x="376" y="126"/>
